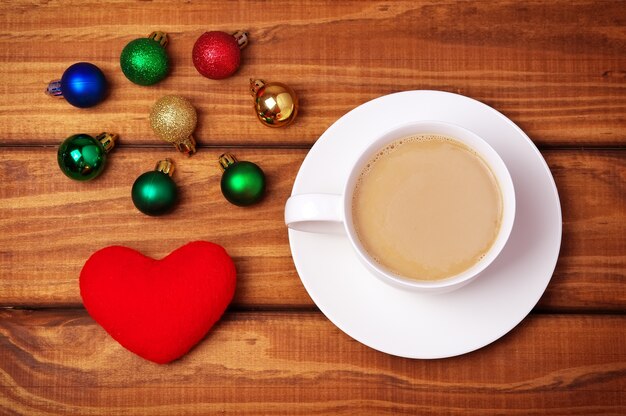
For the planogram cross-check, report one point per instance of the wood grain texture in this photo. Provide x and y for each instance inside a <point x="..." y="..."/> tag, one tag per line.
<point x="557" y="69"/>
<point x="61" y="362"/>
<point x="592" y="263"/>
<point x="52" y="224"/>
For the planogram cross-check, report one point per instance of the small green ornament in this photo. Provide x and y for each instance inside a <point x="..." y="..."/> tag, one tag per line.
<point x="155" y="193"/>
<point x="82" y="157"/>
<point x="144" y="60"/>
<point x="243" y="183"/>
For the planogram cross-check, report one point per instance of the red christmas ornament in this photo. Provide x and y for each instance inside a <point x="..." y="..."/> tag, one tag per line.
<point x="217" y="55"/>
<point x="158" y="309"/>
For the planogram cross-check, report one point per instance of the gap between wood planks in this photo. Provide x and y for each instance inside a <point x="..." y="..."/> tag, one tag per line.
<point x="292" y="146"/>
<point x="278" y="309"/>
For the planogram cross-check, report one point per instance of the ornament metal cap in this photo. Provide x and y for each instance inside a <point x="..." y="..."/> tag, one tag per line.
<point x="160" y="37"/>
<point x="186" y="146"/>
<point x="107" y="140"/>
<point x="54" y="89"/>
<point x="165" y="166"/>
<point x="255" y="86"/>
<point x="226" y="159"/>
<point x="242" y="38"/>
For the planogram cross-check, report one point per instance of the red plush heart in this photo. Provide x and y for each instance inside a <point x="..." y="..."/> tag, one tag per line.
<point x="158" y="309"/>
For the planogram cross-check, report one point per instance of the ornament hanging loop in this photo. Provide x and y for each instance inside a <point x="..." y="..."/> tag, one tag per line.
<point x="160" y="37"/>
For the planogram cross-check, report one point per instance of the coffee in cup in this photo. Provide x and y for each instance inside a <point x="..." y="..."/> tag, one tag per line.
<point x="427" y="206"/>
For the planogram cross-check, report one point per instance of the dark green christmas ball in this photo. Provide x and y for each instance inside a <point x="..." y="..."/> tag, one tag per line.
<point x="81" y="157"/>
<point x="154" y="193"/>
<point x="243" y="183"/>
<point x="144" y="61"/>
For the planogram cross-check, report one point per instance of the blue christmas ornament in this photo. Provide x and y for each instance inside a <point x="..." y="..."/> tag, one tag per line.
<point x="82" y="85"/>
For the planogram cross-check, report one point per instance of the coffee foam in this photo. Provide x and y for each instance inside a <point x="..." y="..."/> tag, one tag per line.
<point x="397" y="144"/>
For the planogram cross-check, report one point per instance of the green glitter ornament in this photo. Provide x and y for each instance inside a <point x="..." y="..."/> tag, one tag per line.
<point x="243" y="183"/>
<point x="82" y="157"/>
<point x="144" y="60"/>
<point x="155" y="193"/>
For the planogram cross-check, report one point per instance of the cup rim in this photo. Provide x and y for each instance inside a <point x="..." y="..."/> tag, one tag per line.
<point x="489" y="156"/>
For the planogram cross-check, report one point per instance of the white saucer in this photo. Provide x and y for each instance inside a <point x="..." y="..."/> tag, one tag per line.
<point x="417" y="325"/>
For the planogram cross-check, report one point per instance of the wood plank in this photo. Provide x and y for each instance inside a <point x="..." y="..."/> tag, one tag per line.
<point x="50" y="225"/>
<point x="72" y="220"/>
<point x="592" y="190"/>
<point x="529" y="60"/>
<point x="61" y="362"/>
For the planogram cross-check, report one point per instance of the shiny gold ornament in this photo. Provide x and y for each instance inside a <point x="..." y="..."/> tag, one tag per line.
<point x="173" y="118"/>
<point x="275" y="104"/>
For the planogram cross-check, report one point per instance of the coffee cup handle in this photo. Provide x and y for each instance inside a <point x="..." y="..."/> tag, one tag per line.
<point x="315" y="213"/>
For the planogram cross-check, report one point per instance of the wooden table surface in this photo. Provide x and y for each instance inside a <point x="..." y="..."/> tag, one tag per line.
<point x="556" y="68"/>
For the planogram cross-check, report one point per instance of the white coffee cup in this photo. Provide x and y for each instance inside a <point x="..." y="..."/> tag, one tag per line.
<point x="328" y="213"/>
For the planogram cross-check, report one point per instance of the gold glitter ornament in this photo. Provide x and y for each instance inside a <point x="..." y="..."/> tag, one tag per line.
<point x="275" y="104"/>
<point x="173" y="118"/>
